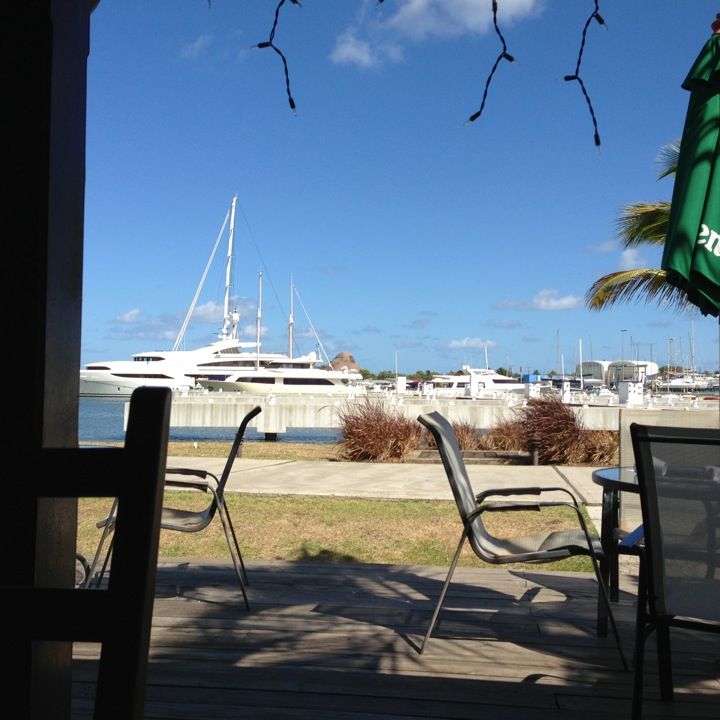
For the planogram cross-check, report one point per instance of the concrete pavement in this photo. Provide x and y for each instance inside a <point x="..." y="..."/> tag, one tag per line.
<point x="390" y="480"/>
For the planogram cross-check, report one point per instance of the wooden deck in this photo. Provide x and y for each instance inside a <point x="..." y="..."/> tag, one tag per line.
<point x="328" y="641"/>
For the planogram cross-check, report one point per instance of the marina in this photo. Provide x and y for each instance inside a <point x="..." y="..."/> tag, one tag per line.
<point x="316" y="418"/>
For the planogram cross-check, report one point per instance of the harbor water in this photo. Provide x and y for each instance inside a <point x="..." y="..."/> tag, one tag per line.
<point x="101" y="420"/>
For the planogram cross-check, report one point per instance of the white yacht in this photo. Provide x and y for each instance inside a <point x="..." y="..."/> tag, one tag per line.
<point x="292" y="376"/>
<point x="181" y="369"/>
<point x="474" y="383"/>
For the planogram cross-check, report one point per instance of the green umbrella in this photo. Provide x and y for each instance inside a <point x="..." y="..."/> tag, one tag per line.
<point x="692" y="247"/>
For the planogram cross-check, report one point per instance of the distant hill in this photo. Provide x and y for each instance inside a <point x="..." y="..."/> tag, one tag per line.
<point x="344" y="360"/>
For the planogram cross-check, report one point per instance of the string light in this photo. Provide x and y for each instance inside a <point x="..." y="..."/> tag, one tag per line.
<point x="504" y="55"/>
<point x="595" y="15"/>
<point x="269" y="43"/>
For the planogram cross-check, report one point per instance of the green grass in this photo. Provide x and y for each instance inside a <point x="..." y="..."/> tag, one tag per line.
<point x="251" y="449"/>
<point x="415" y="532"/>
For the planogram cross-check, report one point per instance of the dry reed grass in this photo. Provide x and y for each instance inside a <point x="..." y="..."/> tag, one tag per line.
<point x="562" y="438"/>
<point x="372" y="434"/>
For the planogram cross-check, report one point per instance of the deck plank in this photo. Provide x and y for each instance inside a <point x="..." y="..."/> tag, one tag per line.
<point x="340" y="641"/>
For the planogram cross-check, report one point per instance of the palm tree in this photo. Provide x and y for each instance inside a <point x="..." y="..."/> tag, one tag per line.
<point x="642" y="223"/>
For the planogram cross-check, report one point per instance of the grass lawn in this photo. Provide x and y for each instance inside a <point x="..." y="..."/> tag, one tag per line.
<point x="415" y="532"/>
<point x="252" y="449"/>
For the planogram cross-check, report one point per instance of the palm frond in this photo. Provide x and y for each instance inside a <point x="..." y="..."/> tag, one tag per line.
<point x="643" y="223"/>
<point x="668" y="159"/>
<point x="640" y="285"/>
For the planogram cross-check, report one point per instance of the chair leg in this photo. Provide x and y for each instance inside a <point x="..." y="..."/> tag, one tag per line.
<point x="107" y="531"/>
<point x="444" y="590"/>
<point x="602" y="618"/>
<point x="608" y="609"/>
<point x="639" y="663"/>
<point x="664" y="661"/>
<point x="237" y="563"/>
<point x="235" y="540"/>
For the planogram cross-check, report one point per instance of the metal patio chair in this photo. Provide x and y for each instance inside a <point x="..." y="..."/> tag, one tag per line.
<point x="191" y="521"/>
<point x="538" y="548"/>
<point x="679" y="479"/>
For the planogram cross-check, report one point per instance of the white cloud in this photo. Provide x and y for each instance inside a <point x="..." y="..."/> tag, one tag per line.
<point x="210" y="312"/>
<point x="131" y="316"/>
<point x="350" y="50"/>
<point x="630" y="259"/>
<point x="469" y="342"/>
<point x="548" y="300"/>
<point x="418" y="19"/>
<point x="374" y="38"/>
<point x="196" y="47"/>
<point x="605" y="247"/>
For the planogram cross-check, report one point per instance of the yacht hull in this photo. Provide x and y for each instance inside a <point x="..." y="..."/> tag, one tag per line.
<point x="121" y="386"/>
<point x="279" y="388"/>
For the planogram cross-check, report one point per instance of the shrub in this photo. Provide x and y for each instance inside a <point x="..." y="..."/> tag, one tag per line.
<point x="467" y="436"/>
<point x="562" y="438"/>
<point x="556" y="428"/>
<point x="506" y="435"/>
<point x="372" y="434"/>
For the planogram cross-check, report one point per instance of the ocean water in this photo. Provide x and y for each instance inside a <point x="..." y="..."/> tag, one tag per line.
<point x="101" y="420"/>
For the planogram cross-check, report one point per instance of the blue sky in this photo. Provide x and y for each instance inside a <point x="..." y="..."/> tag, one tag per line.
<point x="413" y="237"/>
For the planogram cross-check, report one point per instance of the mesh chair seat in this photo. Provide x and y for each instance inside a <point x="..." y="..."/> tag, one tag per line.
<point x="185" y="520"/>
<point x="562" y="543"/>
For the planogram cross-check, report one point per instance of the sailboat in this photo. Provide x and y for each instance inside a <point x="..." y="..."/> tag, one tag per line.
<point x="182" y="369"/>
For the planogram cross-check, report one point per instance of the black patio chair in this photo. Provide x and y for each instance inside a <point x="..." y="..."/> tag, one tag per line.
<point x="191" y="521"/>
<point x="679" y="479"/>
<point x="537" y="548"/>
<point x="119" y="616"/>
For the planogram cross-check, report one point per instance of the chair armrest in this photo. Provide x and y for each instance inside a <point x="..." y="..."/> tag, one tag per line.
<point x="524" y="491"/>
<point x="187" y="471"/>
<point x="188" y="485"/>
<point x="202" y="484"/>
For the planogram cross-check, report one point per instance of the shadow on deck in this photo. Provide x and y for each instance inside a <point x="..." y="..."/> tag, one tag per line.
<point x="339" y="641"/>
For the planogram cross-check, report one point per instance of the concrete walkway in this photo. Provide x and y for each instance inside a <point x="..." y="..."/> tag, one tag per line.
<point x="390" y="480"/>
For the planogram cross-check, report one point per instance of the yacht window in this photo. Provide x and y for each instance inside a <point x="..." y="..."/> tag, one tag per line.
<point x="307" y="381"/>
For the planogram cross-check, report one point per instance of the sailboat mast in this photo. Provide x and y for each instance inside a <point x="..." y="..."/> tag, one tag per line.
<point x="291" y="319"/>
<point x="228" y="326"/>
<point x="582" y="375"/>
<point x="200" y="286"/>
<point x="258" y="323"/>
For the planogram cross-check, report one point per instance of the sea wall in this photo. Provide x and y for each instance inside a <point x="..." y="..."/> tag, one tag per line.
<point x="317" y="411"/>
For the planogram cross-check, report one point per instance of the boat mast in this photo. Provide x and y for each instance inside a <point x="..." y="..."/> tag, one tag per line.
<point x="229" y="319"/>
<point x="291" y="319"/>
<point x="258" y="323"/>
<point x="582" y="375"/>
<point x="191" y="309"/>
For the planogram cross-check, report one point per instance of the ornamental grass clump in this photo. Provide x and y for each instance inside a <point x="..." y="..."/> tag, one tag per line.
<point x="559" y="433"/>
<point x="506" y="435"/>
<point x="467" y="436"/>
<point x="561" y="437"/>
<point x="370" y="433"/>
